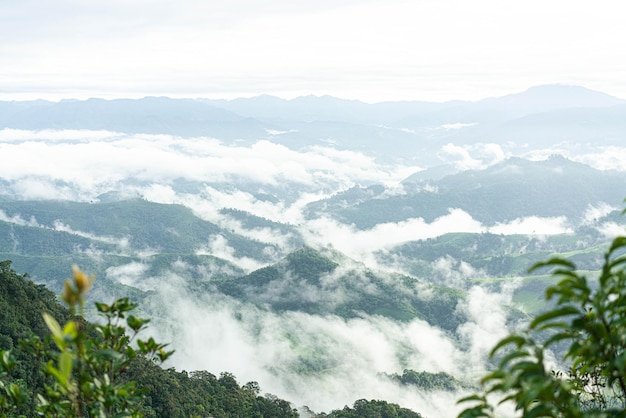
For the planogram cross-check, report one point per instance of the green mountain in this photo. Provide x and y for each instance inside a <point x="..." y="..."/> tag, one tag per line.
<point x="496" y="255"/>
<point x="325" y="282"/>
<point x="512" y="189"/>
<point x="168" y="393"/>
<point x="145" y="225"/>
<point x="44" y="237"/>
<point x="249" y="221"/>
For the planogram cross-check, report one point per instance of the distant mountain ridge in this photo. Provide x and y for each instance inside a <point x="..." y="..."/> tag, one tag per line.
<point x="410" y="130"/>
<point x="151" y="115"/>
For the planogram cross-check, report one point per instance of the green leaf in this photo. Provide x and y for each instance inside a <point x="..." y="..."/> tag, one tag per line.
<point x="70" y="330"/>
<point x="471" y="398"/>
<point x="53" y="325"/>
<point x="65" y="366"/>
<point x="6" y="361"/>
<point x="135" y="323"/>
<point x="16" y="393"/>
<point x="102" y="307"/>
<point x="617" y="243"/>
<point x="511" y="339"/>
<point x="555" y="313"/>
<point x="557" y="337"/>
<point x="617" y="261"/>
<point x="541" y="409"/>
<point x="109" y="354"/>
<point x="164" y="355"/>
<point x="57" y="375"/>
<point x="552" y="263"/>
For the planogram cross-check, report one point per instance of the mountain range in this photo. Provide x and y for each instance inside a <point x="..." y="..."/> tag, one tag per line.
<point x="413" y="131"/>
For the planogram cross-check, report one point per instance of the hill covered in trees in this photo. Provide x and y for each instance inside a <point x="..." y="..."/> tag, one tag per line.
<point x="326" y="282"/>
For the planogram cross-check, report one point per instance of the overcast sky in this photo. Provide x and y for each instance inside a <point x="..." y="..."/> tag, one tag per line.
<point x="369" y="50"/>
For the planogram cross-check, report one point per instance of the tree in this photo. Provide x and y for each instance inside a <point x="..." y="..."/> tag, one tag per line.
<point x="363" y="408"/>
<point x="588" y="326"/>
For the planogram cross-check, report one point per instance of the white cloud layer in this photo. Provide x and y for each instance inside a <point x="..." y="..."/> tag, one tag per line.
<point x="80" y="165"/>
<point x="601" y="158"/>
<point x="217" y="334"/>
<point x="472" y="157"/>
<point x="533" y="225"/>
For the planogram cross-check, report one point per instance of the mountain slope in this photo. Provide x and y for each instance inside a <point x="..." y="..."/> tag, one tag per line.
<point x="137" y="223"/>
<point x="512" y="189"/>
<point x="152" y="238"/>
<point x="325" y="283"/>
<point x="152" y="115"/>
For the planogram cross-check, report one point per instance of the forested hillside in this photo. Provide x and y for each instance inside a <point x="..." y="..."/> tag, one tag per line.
<point x="311" y="281"/>
<point x="512" y="189"/>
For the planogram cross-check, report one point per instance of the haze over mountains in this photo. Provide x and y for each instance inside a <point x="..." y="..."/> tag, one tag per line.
<point x="317" y="245"/>
<point x="542" y="116"/>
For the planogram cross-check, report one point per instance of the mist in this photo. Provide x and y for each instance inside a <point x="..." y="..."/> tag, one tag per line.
<point x="93" y="162"/>
<point x="347" y="359"/>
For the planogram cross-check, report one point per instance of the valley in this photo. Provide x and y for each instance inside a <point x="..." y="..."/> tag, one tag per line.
<point x="330" y="250"/>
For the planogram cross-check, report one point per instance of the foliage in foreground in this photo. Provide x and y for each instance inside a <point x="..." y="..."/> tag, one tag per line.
<point x="83" y="373"/>
<point x="588" y="324"/>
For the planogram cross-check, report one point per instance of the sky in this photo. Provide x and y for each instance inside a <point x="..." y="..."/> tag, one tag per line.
<point x="370" y="50"/>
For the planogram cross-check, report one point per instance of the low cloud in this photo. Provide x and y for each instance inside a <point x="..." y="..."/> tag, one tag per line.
<point x="53" y="135"/>
<point x="360" y="243"/>
<point x="533" y="225"/>
<point x="472" y="157"/>
<point x="607" y="158"/>
<point x="458" y="125"/>
<point x="454" y="273"/>
<point x="131" y="274"/>
<point x="486" y="323"/>
<point x="18" y="220"/>
<point x="345" y="359"/>
<point x="596" y="212"/>
<point x="266" y="234"/>
<point x="93" y="162"/>
<point x="218" y="246"/>
<point x="600" y="158"/>
<point x="611" y="229"/>
<point x="122" y="243"/>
